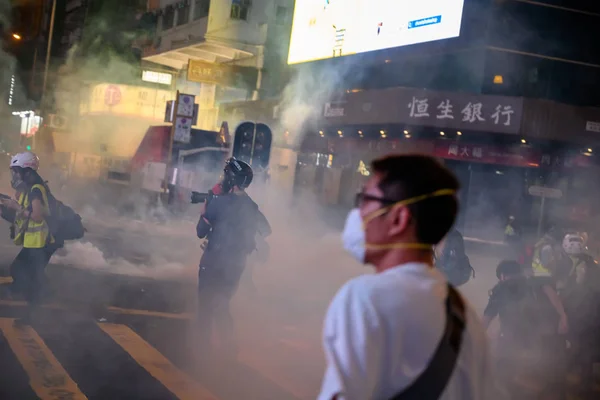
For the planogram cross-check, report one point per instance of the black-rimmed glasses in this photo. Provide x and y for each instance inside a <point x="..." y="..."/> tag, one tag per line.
<point x="362" y="197"/>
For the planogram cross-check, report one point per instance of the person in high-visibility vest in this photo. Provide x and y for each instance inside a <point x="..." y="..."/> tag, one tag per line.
<point x="549" y="257"/>
<point x="30" y="228"/>
<point x="549" y="260"/>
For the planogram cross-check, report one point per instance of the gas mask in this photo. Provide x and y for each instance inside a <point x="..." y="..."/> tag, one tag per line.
<point x="573" y="244"/>
<point x="16" y="180"/>
<point x="354" y="237"/>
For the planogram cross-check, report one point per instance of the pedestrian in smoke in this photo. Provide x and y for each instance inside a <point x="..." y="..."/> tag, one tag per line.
<point x="30" y="229"/>
<point x="403" y="332"/>
<point x="531" y="350"/>
<point x="231" y="222"/>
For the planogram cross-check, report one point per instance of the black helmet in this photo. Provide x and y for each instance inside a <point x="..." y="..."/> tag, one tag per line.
<point x="237" y="173"/>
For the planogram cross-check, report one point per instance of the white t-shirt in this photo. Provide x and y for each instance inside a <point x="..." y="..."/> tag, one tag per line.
<point x="381" y="331"/>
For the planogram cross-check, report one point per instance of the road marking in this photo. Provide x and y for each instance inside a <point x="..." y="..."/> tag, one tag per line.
<point x="115" y="310"/>
<point x="47" y="377"/>
<point x="147" y="313"/>
<point x="275" y="375"/>
<point x="5" y="280"/>
<point x="21" y="303"/>
<point x="156" y="364"/>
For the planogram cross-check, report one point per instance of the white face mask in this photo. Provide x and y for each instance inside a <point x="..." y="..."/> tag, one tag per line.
<point x="353" y="236"/>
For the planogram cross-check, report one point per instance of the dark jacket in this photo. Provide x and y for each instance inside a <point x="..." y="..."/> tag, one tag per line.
<point x="231" y="223"/>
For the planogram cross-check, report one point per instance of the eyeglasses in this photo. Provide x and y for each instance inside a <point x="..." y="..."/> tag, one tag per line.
<point x="362" y="197"/>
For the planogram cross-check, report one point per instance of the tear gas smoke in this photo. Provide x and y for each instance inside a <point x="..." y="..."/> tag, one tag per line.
<point x="313" y="85"/>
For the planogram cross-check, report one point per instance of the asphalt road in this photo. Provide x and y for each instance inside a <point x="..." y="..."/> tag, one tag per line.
<point x="104" y="334"/>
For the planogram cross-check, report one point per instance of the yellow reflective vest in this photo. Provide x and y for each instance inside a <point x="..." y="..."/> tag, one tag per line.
<point x="28" y="233"/>
<point x="538" y="268"/>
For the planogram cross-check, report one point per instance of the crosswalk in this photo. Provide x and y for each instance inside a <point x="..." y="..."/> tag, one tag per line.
<point x="92" y="361"/>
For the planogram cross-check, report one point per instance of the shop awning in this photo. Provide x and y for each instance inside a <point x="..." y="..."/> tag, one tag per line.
<point x="196" y="49"/>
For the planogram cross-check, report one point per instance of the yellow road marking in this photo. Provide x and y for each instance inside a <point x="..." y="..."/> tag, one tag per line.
<point x="47" y="377"/>
<point x="156" y="364"/>
<point x="147" y="313"/>
<point x="115" y="310"/>
<point x="275" y="375"/>
<point x="20" y="303"/>
<point x="5" y="280"/>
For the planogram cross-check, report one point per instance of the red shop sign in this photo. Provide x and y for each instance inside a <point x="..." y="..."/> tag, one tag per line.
<point x="515" y="156"/>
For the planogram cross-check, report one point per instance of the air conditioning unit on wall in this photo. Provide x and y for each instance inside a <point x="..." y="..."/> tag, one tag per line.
<point x="58" y="122"/>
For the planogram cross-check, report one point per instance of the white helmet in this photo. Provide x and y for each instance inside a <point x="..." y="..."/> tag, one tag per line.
<point x="25" y="160"/>
<point x="573" y="244"/>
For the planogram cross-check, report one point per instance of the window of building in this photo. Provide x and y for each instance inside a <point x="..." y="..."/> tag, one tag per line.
<point x="168" y="18"/>
<point x="201" y="8"/>
<point x="183" y="14"/>
<point x="281" y="17"/>
<point x="240" y="9"/>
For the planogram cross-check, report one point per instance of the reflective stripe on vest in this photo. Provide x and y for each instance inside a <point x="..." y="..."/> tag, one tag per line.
<point x="28" y="233"/>
<point x="537" y="266"/>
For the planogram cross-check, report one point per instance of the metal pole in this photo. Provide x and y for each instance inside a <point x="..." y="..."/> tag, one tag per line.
<point x="253" y="143"/>
<point x="171" y="138"/>
<point x="539" y="231"/>
<point x="49" y="50"/>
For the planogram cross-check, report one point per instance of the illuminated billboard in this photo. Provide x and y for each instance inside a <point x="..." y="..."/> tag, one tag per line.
<point x="334" y="28"/>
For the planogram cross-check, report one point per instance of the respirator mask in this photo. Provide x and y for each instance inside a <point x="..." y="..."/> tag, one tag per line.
<point x="354" y="237"/>
<point x="16" y="179"/>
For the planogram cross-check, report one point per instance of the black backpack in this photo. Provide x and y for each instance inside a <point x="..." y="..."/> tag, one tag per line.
<point x="64" y="223"/>
<point x="454" y="262"/>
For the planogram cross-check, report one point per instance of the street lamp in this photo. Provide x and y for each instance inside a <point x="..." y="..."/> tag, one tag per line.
<point x="16" y="36"/>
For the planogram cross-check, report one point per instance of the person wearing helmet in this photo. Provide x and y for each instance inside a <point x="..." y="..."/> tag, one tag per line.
<point x="30" y="228"/>
<point x="549" y="262"/>
<point x="574" y="246"/>
<point x="231" y="222"/>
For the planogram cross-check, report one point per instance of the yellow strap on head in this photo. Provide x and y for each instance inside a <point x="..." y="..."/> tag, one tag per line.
<point x="414" y="246"/>
<point x="406" y="202"/>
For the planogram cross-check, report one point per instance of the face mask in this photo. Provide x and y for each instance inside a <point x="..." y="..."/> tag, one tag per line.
<point x="16" y="181"/>
<point x="354" y="238"/>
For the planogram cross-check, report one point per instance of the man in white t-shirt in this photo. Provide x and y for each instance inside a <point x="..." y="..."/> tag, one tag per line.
<point x="382" y="330"/>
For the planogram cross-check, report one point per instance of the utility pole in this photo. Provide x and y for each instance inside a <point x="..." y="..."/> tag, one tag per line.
<point x="48" y="50"/>
<point x="46" y="67"/>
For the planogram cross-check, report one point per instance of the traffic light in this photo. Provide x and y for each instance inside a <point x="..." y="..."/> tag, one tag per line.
<point x="26" y="142"/>
<point x="252" y="144"/>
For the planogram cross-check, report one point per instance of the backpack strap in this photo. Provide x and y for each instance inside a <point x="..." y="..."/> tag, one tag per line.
<point x="433" y="381"/>
<point x="44" y="191"/>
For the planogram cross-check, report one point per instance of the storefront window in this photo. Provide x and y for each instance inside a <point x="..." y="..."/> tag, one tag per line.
<point x="183" y="15"/>
<point x="168" y="18"/>
<point x="201" y="9"/>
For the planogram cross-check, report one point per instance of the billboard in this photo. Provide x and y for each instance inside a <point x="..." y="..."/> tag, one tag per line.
<point x="334" y="28"/>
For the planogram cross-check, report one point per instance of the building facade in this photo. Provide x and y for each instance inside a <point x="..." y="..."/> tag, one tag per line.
<point x="508" y="103"/>
<point x="232" y="48"/>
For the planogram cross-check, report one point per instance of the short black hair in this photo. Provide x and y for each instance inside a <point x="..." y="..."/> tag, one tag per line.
<point x="407" y="176"/>
<point x="508" y="268"/>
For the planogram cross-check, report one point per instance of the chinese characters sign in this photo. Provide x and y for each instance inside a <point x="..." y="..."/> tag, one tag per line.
<point x="517" y="156"/>
<point x="204" y="72"/>
<point x="436" y="109"/>
<point x="472" y="112"/>
<point x="126" y="100"/>
<point x="485" y="114"/>
<point x="183" y="130"/>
